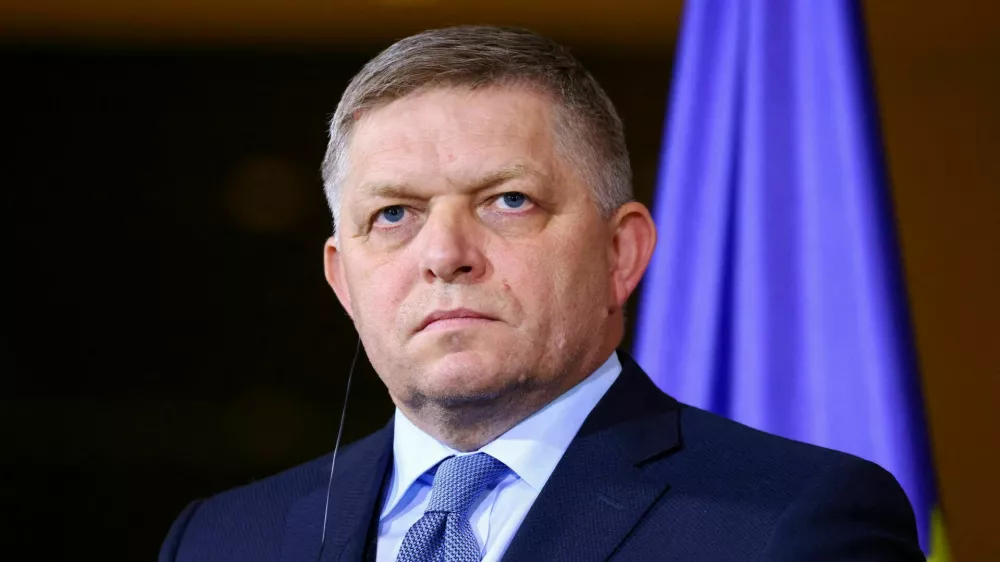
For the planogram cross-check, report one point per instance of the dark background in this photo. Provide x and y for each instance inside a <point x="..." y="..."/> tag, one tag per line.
<point x="172" y="334"/>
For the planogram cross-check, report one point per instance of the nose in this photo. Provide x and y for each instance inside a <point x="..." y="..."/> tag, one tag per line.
<point x="451" y="251"/>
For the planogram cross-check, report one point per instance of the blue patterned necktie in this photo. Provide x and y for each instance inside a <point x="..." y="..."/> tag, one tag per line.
<point x="444" y="533"/>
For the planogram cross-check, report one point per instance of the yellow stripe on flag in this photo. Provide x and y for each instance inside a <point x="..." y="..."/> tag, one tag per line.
<point x="939" y="541"/>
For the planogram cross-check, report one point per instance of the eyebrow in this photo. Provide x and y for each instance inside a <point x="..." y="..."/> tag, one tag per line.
<point x="402" y="190"/>
<point x="503" y="175"/>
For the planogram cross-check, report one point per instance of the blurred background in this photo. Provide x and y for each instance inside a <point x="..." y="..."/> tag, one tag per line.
<point x="172" y="332"/>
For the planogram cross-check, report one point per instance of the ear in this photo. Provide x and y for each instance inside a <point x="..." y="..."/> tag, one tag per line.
<point x="632" y="248"/>
<point x="333" y="267"/>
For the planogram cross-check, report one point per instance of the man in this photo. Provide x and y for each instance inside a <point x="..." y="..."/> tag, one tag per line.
<point x="485" y="245"/>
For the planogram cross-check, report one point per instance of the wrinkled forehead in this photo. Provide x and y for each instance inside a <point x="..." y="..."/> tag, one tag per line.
<point x="452" y="133"/>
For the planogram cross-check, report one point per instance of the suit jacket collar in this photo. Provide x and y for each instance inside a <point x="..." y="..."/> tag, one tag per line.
<point x="355" y="494"/>
<point x="608" y="478"/>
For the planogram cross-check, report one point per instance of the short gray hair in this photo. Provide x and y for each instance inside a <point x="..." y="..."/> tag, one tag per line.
<point x="588" y="131"/>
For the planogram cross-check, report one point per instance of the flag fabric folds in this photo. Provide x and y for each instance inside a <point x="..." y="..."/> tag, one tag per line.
<point x="775" y="296"/>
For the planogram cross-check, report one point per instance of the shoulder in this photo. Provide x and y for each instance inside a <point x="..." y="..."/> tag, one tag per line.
<point x="854" y="510"/>
<point x="712" y="440"/>
<point x="248" y="522"/>
<point x="798" y="501"/>
<point x="760" y="466"/>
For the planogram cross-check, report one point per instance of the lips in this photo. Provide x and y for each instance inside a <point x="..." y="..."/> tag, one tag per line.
<point x="458" y="313"/>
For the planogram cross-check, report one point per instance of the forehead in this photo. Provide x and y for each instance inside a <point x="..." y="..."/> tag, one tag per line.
<point x="453" y="133"/>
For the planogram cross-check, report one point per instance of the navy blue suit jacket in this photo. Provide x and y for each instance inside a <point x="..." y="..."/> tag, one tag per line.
<point x="646" y="478"/>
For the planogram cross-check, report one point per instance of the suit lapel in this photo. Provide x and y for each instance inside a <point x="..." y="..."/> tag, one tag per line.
<point x="354" y="492"/>
<point x="608" y="477"/>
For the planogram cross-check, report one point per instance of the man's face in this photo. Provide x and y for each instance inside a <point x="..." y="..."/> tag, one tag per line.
<point x="472" y="260"/>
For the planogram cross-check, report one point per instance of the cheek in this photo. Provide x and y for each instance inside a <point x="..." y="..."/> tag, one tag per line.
<point x="526" y="275"/>
<point x="555" y="284"/>
<point x="376" y="294"/>
<point x="582" y="282"/>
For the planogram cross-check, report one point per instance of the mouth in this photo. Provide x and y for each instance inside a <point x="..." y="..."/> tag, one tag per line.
<point x="457" y="318"/>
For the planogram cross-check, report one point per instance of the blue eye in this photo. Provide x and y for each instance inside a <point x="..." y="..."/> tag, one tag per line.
<point x="393" y="214"/>
<point x="514" y="199"/>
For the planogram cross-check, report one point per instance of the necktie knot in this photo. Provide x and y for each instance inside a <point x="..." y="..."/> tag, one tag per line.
<point x="444" y="533"/>
<point x="460" y="480"/>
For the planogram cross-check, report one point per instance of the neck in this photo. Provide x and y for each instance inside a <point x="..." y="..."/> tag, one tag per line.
<point x="468" y="425"/>
<point x="471" y="425"/>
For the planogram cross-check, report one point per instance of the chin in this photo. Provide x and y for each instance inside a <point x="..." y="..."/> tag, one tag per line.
<point x="459" y="351"/>
<point x="465" y="375"/>
<point x="457" y="366"/>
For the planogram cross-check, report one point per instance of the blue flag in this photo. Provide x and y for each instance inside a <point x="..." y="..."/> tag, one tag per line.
<point x="775" y="296"/>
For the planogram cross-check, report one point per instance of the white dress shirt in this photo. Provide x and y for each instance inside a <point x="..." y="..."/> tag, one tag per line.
<point x="530" y="449"/>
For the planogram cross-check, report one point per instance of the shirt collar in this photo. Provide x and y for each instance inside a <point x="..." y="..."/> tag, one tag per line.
<point x="531" y="449"/>
<point x="414" y="452"/>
